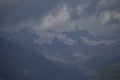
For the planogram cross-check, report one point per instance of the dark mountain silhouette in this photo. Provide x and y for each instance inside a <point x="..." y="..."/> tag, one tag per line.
<point x="112" y="73"/>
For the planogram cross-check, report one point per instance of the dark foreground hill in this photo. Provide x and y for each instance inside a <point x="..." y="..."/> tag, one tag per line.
<point x="112" y="73"/>
<point x="18" y="63"/>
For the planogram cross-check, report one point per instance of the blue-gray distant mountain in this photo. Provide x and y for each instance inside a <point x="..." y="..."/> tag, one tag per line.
<point x="78" y="34"/>
<point x="18" y="63"/>
<point x="87" y="54"/>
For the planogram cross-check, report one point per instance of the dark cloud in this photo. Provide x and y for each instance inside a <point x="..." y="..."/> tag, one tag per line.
<point x="93" y="15"/>
<point x="14" y="12"/>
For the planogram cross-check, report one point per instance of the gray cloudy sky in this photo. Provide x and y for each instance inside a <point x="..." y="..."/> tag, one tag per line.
<point x="96" y="16"/>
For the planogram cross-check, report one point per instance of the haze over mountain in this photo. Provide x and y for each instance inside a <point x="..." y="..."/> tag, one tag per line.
<point x="79" y="38"/>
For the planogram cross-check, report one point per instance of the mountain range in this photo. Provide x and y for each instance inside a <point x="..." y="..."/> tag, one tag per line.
<point x="78" y="54"/>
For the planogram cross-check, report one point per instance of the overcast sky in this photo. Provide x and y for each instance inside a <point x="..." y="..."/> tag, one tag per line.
<point x="96" y="16"/>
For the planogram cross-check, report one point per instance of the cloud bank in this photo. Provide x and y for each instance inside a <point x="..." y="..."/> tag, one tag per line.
<point x="100" y="17"/>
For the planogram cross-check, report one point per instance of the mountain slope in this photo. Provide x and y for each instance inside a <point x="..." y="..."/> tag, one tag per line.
<point x="112" y="73"/>
<point x="18" y="63"/>
<point x="78" y="34"/>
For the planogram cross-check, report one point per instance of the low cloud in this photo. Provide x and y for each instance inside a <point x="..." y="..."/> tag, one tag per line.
<point x="107" y="16"/>
<point x="55" y="18"/>
<point x="95" y="43"/>
<point x="98" y="17"/>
